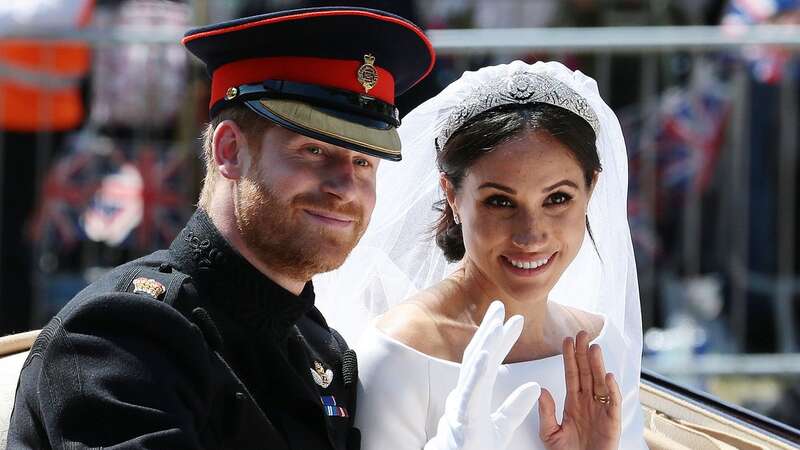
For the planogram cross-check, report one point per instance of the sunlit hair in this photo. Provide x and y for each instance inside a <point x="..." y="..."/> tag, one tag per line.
<point x="252" y="125"/>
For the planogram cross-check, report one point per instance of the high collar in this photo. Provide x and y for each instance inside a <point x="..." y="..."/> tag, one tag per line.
<point x="233" y="284"/>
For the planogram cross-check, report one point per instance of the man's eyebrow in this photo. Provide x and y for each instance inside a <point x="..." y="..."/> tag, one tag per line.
<point x="560" y="183"/>
<point x="498" y="186"/>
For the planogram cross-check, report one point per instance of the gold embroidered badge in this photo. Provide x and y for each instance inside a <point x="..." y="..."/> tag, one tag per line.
<point x="149" y="287"/>
<point x="367" y="74"/>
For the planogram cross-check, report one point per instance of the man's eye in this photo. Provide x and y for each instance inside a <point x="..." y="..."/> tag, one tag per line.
<point x="314" y="150"/>
<point x="559" y="198"/>
<point x="498" y="201"/>
<point x="362" y="162"/>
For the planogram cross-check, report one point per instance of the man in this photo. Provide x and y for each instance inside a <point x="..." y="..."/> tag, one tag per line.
<point x="215" y="342"/>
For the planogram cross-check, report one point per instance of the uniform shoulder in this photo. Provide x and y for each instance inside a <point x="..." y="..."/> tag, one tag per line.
<point x="138" y="298"/>
<point x="154" y="277"/>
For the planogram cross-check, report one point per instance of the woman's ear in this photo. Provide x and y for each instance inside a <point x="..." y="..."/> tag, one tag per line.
<point x="595" y="177"/>
<point x="449" y="191"/>
<point x="229" y="147"/>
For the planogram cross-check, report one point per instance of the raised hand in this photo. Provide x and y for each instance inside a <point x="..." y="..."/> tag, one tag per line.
<point x="593" y="406"/>
<point x="467" y="423"/>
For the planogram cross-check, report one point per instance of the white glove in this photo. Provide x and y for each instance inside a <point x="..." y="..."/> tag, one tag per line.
<point x="467" y="423"/>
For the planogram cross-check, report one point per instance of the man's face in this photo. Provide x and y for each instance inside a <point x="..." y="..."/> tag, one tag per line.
<point x="303" y="204"/>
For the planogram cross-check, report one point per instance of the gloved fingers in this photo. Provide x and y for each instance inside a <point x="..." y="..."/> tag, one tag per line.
<point x="489" y="346"/>
<point x="514" y="409"/>
<point x="492" y="319"/>
<point x="466" y="390"/>
<point x="511" y="332"/>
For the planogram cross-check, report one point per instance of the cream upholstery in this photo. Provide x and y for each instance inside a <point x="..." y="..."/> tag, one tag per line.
<point x="673" y="423"/>
<point x="668" y="433"/>
<point x="10" y="367"/>
<point x="13" y="351"/>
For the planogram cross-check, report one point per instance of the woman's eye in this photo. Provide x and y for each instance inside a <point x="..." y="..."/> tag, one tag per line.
<point x="559" y="198"/>
<point x="498" y="201"/>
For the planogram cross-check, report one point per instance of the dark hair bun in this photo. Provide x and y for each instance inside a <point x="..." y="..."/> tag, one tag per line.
<point x="451" y="241"/>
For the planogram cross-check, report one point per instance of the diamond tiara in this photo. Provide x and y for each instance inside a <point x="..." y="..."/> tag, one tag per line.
<point x="521" y="87"/>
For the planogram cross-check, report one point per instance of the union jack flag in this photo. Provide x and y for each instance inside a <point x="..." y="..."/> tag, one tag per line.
<point x="166" y="201"/>
<point x="121" y="193"/>
<point x="683" y="136"/>
<point x="116" y="207"/>
<point x="65" y="192"/>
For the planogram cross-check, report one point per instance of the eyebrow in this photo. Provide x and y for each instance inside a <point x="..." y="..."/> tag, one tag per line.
<point x="498" y="187"/>
<point x="561" y="183"/>
<point x="513" y="192"/>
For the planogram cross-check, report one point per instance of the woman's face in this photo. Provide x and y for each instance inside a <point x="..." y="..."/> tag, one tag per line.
<point x="523" y="209"/>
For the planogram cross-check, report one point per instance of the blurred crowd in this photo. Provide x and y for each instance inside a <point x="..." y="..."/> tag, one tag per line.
<point x="106" y="166"/>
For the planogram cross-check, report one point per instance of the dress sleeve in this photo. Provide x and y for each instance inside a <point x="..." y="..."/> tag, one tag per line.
<point x="393" y="396"/>
<point x="119" y="372"/>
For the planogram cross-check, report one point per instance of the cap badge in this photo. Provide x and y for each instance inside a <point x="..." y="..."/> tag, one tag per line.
<point x="149" y="287"/>
<point x="367" y="75"/>
<point x="231" y="93"/>
<point x="321" y="376"/>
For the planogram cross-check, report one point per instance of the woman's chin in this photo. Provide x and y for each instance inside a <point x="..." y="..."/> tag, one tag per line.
<point x="526" y="291"/>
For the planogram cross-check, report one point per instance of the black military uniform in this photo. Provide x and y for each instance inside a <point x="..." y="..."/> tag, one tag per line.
<point x="193" y="347"/>
<point x="213" y="361"/>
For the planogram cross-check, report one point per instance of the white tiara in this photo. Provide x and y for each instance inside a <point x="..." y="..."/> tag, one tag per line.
<point x="519" y="88"/>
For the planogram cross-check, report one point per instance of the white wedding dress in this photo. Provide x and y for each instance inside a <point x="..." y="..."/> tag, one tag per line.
<point x="402" y="392"/>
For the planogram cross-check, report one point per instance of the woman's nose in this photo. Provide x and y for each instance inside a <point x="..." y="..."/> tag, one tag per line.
<point x="529" y="231"/>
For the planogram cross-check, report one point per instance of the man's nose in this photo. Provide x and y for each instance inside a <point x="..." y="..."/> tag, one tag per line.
<point x="340" y="180"/>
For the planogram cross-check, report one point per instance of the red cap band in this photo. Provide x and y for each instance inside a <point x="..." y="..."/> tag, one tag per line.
<point x="334" y="73"/>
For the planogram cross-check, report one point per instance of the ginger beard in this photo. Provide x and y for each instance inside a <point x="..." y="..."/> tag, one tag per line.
<point x="290" y="244"/>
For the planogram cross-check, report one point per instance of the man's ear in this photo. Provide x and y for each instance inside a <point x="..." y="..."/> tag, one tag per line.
<point x="231" y="154"/>
<point x="449" y="191"/>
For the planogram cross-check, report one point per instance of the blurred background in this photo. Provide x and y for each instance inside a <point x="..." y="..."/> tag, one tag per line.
<point x="100" y="112"/>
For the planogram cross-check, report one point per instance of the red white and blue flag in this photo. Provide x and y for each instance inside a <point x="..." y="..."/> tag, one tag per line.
<point x="124" y="195"/>
<point x="65" y="191"/>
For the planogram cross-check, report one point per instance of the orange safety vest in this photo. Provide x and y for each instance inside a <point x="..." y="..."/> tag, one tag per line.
<point x="40" y="82"/>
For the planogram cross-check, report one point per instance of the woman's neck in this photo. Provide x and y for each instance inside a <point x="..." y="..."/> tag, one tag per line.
<point x="544" y="322"/>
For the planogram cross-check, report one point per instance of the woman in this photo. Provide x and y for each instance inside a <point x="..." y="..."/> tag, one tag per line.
<point x="529" y="219"/>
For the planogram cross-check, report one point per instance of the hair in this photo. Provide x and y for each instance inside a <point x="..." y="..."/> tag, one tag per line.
<point x="481" y="134"/>
<point x="252" y="125"/>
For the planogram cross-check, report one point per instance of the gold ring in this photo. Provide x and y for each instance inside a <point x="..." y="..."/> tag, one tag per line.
<point x="603" y="399"/>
